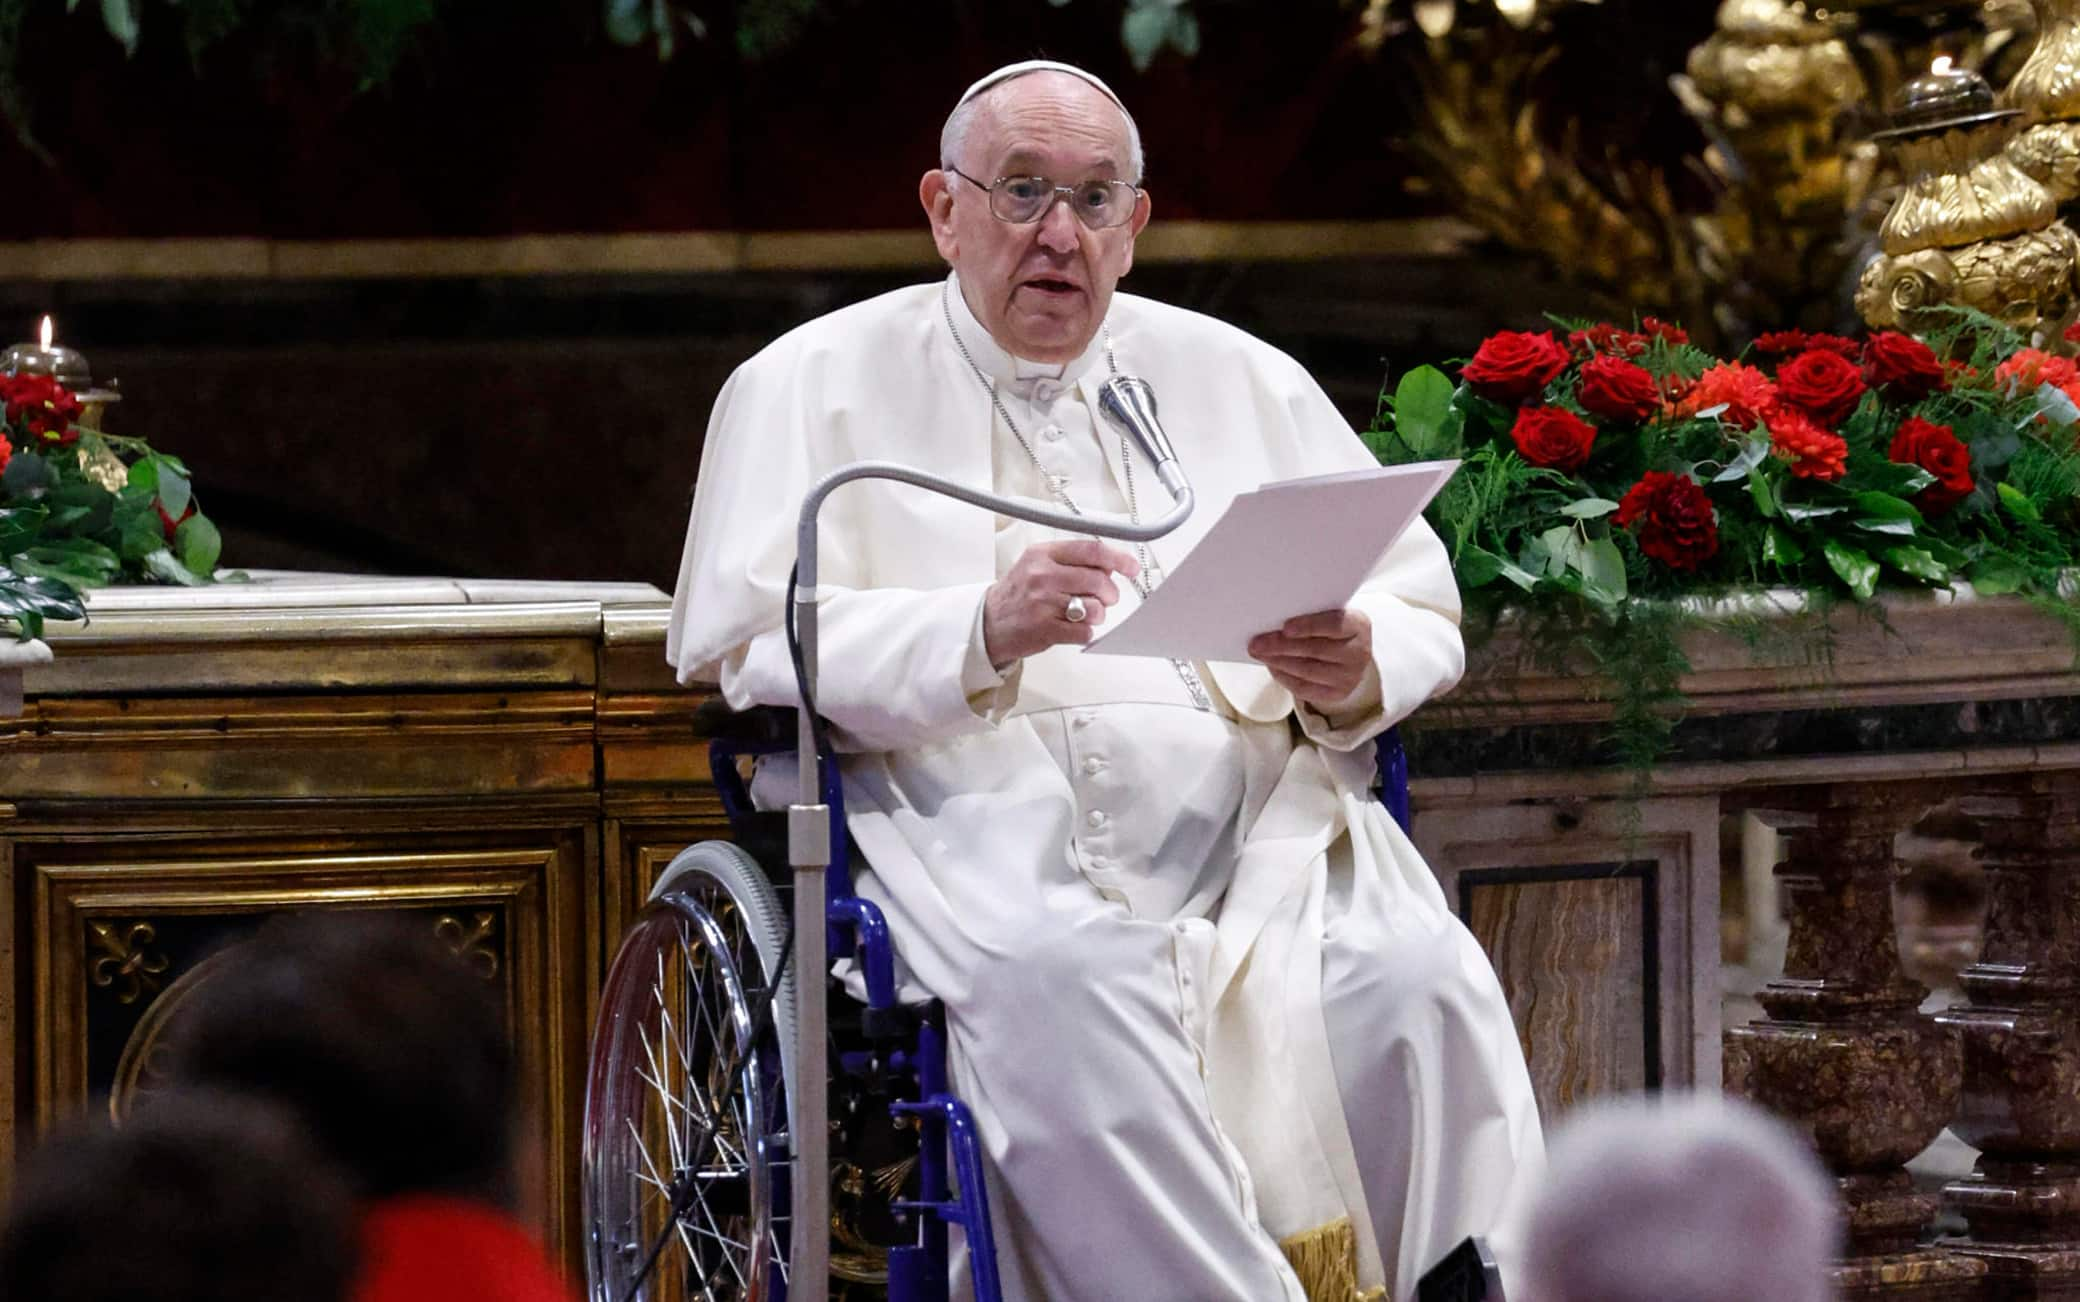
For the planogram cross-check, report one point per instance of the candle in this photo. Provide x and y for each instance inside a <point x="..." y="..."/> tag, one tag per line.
<point x="65" y="365"/>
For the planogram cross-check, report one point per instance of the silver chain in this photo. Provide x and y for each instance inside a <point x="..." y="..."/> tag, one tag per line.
<point x="1151" y="573"/>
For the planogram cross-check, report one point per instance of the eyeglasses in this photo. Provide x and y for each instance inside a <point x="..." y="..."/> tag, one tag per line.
<point x="1023" y="199"/>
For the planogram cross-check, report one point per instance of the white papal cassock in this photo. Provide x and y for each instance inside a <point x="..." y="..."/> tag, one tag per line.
<point x="1221" y="1032"/>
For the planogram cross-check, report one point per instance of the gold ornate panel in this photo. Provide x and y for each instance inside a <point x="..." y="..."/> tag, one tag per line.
<point x="125" y="928"/>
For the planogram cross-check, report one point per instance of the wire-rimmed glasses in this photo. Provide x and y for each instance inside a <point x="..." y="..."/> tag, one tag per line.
<point x="1098" y="204"/>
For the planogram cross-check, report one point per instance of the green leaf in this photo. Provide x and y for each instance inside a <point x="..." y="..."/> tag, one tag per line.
<point x="120" y="18"/>
<point x="2053" y="402"/>
<point x="1800" y="512"/>
<point x="1184" y="33"/>
<point x="174" y="492"/>
<point x="1886" y="507"/>
<point x="81" y="562"/>
<point x="1565" y="547"/>
<point x="1780" y="548"/>
<point x="19" y="526"/>
<point x="162" y="566"/>
<point x="1603" y="569"/>
<point x="1897" y="528"/>
<point x="1422" y="406"/>
<point x="1477" y="568"/>
<point x="2018" y="503"/>
<point x="1759" y="489"/>
<point x="628" y="21"/>
<point x="199" y="545"/>
<point x="144" y="476"/>
<point x="1917" y="562"/>
<point x="1996" y="576"/>
<point x="1855" y="568"/>
<point x="1751" y="456"/>
<point x="139" y="531"/>
<point x="1589" y="508"/>
<point x="1144" y="30"/>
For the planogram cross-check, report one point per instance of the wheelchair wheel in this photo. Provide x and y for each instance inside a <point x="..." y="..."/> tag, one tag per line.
<point x="663" y="1123"/>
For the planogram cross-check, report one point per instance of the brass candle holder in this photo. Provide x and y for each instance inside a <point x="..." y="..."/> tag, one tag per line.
<point x="68" y="366"/>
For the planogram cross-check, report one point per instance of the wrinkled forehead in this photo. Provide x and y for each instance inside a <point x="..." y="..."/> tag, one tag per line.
<point x="1052" y="118"/>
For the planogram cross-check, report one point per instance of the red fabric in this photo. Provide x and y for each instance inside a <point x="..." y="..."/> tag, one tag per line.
<point x="448" y="1250"/>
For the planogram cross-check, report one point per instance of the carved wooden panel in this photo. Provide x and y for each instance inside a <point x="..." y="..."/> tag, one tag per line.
<point x="123" y="930"/>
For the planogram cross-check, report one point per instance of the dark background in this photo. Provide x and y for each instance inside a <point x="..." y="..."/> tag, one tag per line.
<point x="549" y="426"/>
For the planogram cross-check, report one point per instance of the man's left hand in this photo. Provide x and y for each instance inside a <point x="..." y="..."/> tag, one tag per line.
<point x="1319" y="658"/>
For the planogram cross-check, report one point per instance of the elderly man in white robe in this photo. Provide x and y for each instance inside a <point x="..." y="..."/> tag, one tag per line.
<point x="1223" y="1037"/>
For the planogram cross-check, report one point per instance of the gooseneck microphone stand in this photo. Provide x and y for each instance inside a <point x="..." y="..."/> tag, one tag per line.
<point x="1128" y="403"/>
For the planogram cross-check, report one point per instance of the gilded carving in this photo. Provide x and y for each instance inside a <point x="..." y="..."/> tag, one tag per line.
<point x="472" y="941"/>
<point x="2047" y="91"/>
<point x="124" y="964"/>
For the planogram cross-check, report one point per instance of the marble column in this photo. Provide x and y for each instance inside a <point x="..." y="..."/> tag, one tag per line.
<point x="2021" y="1035"/>
<point x="1843" y="1052"/>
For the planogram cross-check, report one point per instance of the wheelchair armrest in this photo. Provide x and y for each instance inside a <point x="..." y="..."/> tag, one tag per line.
<point x="760" y="726"/>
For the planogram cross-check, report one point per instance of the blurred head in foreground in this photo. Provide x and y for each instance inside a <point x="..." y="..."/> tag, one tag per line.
<point x="198" y="1198"/>
<point x="387" y="1047"/>
<point x="1686" y="1199"/>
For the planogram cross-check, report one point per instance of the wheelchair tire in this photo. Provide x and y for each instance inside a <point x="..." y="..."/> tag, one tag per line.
<point x="676" y="1014"/>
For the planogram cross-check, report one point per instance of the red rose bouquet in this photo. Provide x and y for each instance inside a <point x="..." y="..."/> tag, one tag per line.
<point x="1605" y="477"/>
<point x="1627" y="464"/>
<point x="80" y="508"/>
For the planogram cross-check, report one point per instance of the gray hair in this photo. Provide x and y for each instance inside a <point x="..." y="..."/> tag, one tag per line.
<point x="1694" y="1198"/>
<point x="960" y="124"/>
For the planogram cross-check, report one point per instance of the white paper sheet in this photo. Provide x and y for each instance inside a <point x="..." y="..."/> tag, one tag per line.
<point x="1290" y="548"/>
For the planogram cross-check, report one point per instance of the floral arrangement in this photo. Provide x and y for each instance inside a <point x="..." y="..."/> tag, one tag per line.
<point x="80" y="509"/>
<point x="1608" y="471"/>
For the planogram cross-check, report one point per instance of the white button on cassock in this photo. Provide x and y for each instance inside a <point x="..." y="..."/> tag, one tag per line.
<point x="1094" y="765"/>
<point x="1095" y="819"/>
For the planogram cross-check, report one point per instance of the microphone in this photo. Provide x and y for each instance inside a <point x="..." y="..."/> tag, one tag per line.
<point x="1129" y="403"/>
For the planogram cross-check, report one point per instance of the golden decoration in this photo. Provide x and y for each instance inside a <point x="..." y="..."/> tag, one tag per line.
<point x="125" y="965"/>
<point x="472" y="943"/>
<point x="2047" y="91"/>
<point x="1785" y="93"/>
<point x="101" y="465"/>
<point x="140" y="1071"/>
<point x="1970" y="228"/>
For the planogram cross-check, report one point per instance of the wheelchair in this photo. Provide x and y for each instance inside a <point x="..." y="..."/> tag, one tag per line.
<point x="687" y="1171"/>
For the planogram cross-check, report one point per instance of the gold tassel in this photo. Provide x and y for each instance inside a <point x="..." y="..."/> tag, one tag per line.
<point x="1326" y="1260"/>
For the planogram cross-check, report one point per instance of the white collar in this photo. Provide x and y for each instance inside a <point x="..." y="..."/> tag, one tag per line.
<point x="1028" y="379"/>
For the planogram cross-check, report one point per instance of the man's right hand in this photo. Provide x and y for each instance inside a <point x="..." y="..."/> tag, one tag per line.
<point x="1026" y="611"/>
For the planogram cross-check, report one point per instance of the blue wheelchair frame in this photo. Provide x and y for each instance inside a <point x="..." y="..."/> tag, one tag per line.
<point x="949" y="1148"/>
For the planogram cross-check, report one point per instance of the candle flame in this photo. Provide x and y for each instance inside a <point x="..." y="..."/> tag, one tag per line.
<point x="46" y="334"/>
<point x="1941" y="67"/>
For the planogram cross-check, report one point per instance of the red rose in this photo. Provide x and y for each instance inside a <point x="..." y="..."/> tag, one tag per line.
<point x="41" y="407"/>
<point x="1904" y="367"/>
<point x="1674" y="518"/>
<point x="1814" y="453"/>
<point x="1553" y="437"/>
<point x="1848" y="348"/>
<point x="1659" y="329"/>
<point x="2072" y="333"/>
<point x="1826" y="384"/>
<point x="1607" y="338"/>
<point x="6" y="453"/>
<point x="1616" y="389"/>
<point x="1936" y="449"/>
<point x="1511" y="365"/>
<point x="1779" y="342"/>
